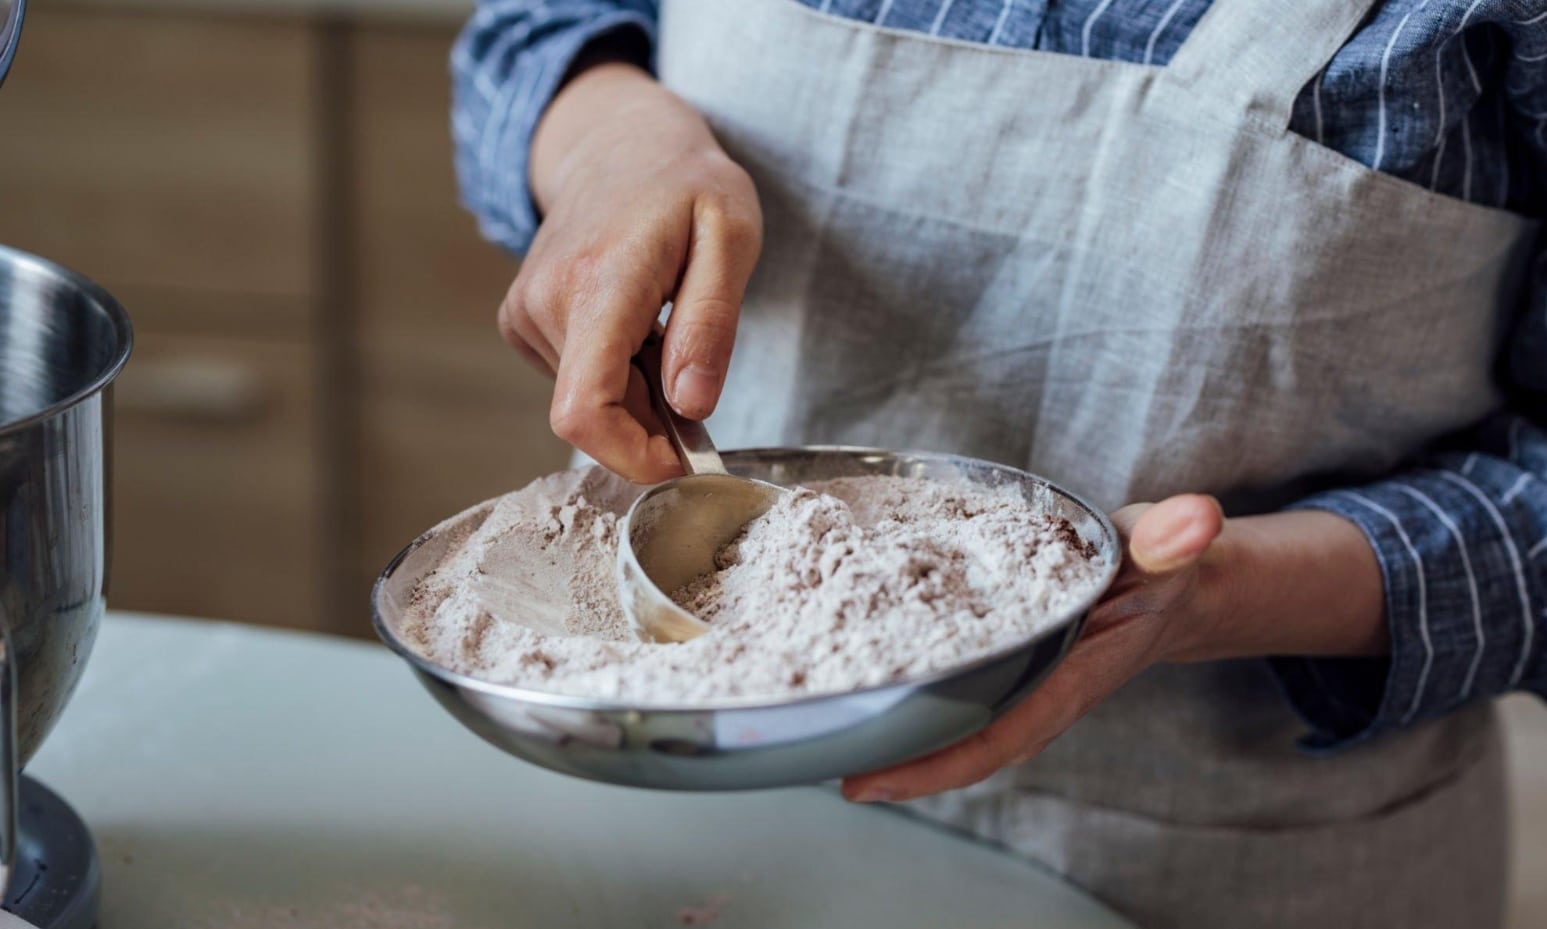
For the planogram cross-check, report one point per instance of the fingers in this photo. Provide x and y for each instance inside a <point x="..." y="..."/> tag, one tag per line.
<point x="964" y="763"/>
<point x="1094" y="668"/>
<point x="524" y="336"/>
<point x="1171" y="534"/>
<point x="726" y="240"/>
<point x="688" y="229"/>
<point x="596" y="388"/>
<point x="1162" y="539"/>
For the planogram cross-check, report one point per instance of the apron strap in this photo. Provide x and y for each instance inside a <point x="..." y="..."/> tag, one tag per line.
<point x="1263" y="52"/>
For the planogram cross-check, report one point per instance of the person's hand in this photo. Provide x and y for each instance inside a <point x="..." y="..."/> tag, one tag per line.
<point x="641" y="207"/>
<point x="1190" y="589"/>
<point x="1161" y="589"/>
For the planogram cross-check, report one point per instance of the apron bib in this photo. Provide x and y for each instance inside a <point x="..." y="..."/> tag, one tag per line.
<point x="1135" y="281"/>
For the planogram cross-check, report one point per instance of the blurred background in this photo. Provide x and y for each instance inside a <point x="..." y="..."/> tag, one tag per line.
<point x="317" y="377"/>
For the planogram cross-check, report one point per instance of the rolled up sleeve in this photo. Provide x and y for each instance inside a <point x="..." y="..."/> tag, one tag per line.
<point x="1462" y="543"/>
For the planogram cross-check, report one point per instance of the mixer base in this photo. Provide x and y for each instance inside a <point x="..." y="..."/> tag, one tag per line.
<point x="56" y="883"/>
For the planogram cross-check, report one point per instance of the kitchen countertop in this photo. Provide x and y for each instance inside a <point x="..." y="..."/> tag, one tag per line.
<point x="241" y="777"/>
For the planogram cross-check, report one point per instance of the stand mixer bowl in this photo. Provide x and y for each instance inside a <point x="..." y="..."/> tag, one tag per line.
<point x="11" y="15"/>
<point x="62" y="342"/>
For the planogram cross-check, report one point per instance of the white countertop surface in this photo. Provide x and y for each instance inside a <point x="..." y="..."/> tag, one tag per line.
<point x="239" y="777"/>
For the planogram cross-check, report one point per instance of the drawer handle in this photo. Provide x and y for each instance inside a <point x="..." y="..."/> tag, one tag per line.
<point x="206" y="390"/>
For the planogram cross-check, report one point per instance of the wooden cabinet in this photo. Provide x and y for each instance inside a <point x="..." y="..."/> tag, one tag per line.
<point x="172" y="159"/>
<point x="163" y="150"/>
<point x="218" y="500"/>
<point x="317" y="377"/>
<point x="449" y="415"/>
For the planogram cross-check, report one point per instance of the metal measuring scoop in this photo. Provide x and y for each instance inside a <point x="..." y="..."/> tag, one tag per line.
<point x="672" y="532"/>
<point x="11" y="13"/>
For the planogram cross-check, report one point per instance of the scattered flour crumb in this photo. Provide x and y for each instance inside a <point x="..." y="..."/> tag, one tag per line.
<point x="703" y="914"/>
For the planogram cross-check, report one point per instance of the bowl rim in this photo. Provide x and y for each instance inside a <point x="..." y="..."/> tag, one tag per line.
<point x="123" y="330"/>
<point x="1071" y="618"/>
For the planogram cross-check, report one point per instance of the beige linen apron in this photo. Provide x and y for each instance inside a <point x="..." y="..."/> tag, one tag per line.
<point x="1135" y="281"/>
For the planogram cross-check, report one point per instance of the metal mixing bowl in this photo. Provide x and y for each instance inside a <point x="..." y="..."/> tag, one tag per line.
<point x="62" y="341"/>
<point x="746" y="744"/>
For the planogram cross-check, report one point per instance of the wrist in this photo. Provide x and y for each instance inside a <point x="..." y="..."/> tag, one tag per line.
<point x="1303" y="582"/>
<point x="589" y="103"/>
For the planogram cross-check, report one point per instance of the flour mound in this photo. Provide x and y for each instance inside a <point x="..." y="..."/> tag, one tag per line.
<point x="841" y="585"/>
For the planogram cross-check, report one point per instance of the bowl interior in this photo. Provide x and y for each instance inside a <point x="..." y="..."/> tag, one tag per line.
<point x="61" y="337"/>
<point x="785" y="466"/>
<point x="760" y="742"/>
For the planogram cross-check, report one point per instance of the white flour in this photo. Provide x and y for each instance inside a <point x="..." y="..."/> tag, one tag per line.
<point x="886" y="578"/>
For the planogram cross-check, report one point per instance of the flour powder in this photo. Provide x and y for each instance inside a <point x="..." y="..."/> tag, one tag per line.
<point x="844" y="584"/>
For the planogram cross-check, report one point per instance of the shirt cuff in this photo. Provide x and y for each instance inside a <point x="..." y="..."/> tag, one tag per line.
<point x="1347" y="701"/>
<point x="1459" y="609"/>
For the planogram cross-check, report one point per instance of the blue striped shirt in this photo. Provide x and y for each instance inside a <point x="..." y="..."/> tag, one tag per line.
<point x="1449" y="94"/>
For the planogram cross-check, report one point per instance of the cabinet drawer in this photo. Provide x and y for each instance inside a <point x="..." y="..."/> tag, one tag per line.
<point x="446" y="423"/>
<point x="217" y="487"/>
<point x="156" y="149"/>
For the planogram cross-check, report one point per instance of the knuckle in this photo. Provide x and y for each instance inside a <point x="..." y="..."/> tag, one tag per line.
<point x="711" y="330"/>
<point x="743" y="233"/>
<point x="508" y="318"/>
<point x="543" y="290"/>
<point x="529" y="292"/>
<point x="738" y="225"/>
<point x="582" y="269"/>
<point x="732" y="174"/>
<point x="568" y="421"/>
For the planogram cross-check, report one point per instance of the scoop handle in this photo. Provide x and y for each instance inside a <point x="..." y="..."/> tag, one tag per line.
<point x="688" y="437"/>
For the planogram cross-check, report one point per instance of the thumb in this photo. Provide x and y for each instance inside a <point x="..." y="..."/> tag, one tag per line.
<point x="701" y="330"/>
<point x="1170" y="535"/>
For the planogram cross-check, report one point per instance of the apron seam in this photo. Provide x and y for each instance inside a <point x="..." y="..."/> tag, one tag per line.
<point x="1001" y="51"/>
<point x="1401" y="185"/>
<point x="1230" y="110"/>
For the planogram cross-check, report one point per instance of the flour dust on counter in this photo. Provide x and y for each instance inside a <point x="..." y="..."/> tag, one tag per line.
<point x="405" y="907"/>
<point x="843" y="584"/>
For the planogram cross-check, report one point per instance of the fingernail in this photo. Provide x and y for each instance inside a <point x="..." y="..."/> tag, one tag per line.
<point x="1170" y="552"/>
<point x="876" y="795"/>
<point x="1180" y="542"/>
<point x="693" y="392"/>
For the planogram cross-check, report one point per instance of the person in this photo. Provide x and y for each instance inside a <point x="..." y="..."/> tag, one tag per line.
<point x="1263" y="276"/>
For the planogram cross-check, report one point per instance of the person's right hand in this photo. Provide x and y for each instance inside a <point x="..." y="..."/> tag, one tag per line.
<point x="641" y="207"/>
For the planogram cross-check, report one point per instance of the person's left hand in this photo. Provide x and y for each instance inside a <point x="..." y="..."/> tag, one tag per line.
<point x="1160" y="608"/>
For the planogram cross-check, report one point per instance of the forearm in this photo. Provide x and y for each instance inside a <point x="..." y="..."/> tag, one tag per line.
<point x="1459" y="541"/>
<point x="1295" y="583"/>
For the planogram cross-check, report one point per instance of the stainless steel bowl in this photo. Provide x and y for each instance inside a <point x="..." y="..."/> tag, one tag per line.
<point x="62" y="341"/>
<point x="12" y="12"/>
<point x="747" y="744"/>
